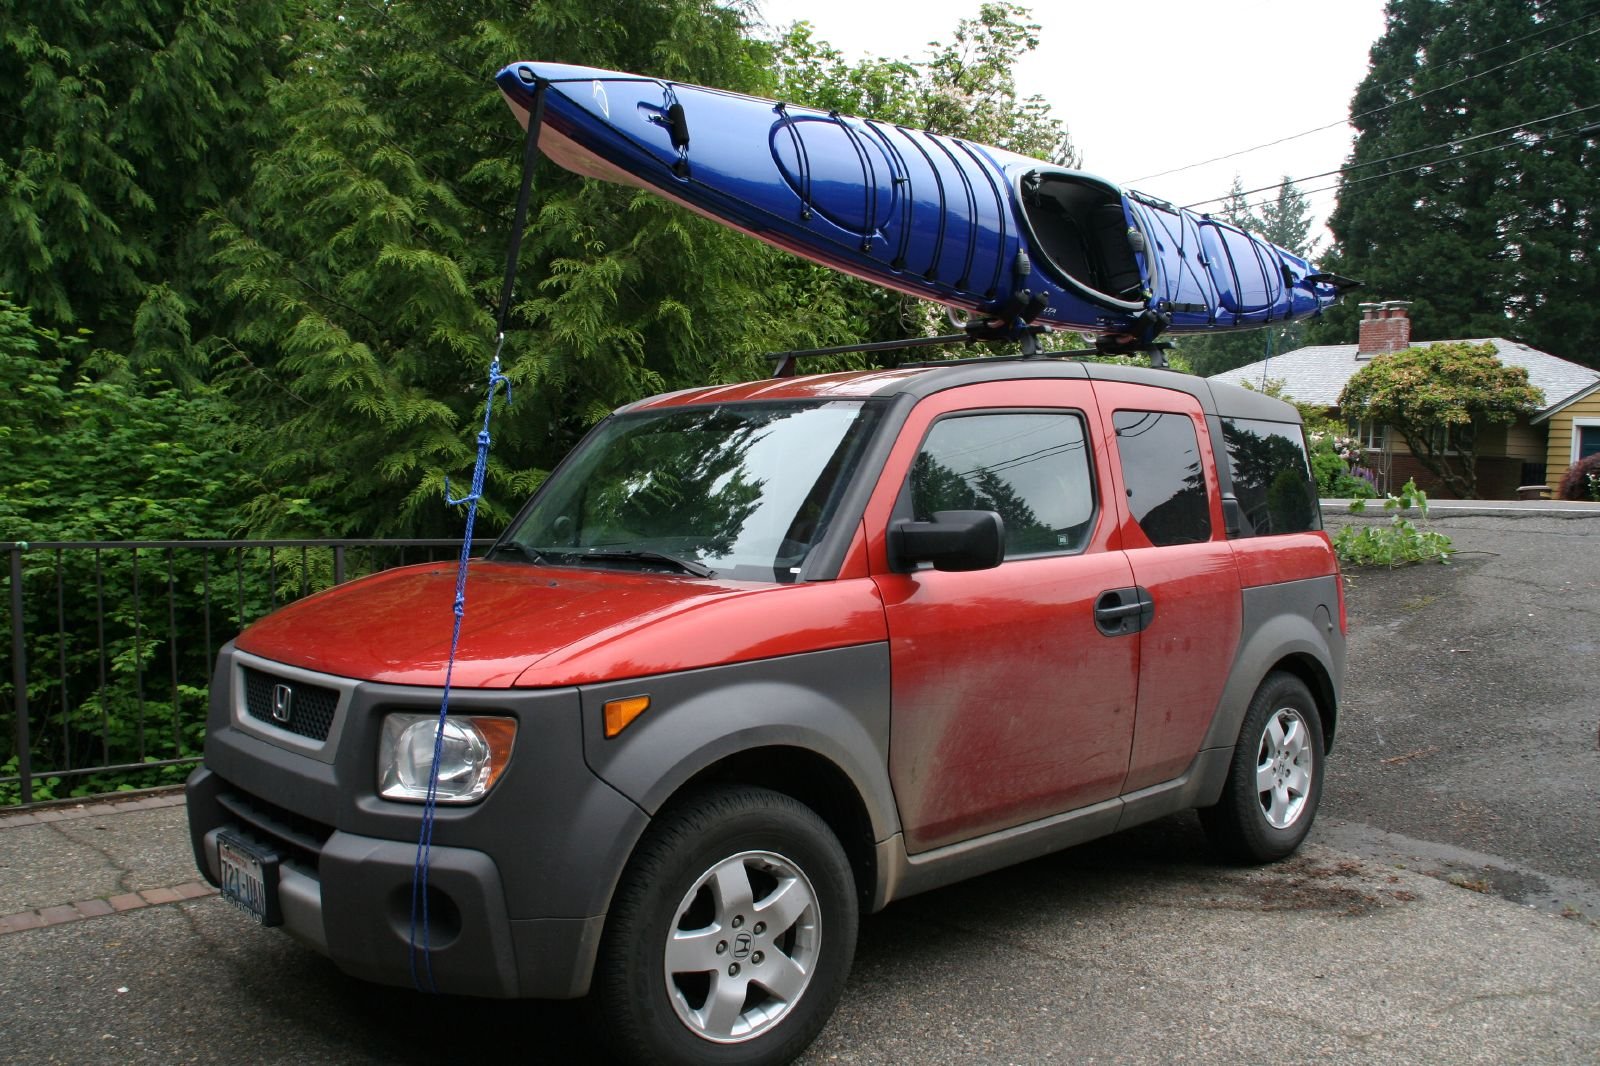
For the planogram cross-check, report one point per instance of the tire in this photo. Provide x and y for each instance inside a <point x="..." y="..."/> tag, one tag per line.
<point x="1275" y="780"/>
<point x="730" y="936"/>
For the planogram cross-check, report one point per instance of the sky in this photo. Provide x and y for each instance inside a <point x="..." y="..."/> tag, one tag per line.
<point x="1161" y="84"/>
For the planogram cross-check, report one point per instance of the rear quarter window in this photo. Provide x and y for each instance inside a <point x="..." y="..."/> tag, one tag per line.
<point x="1271" y="476"/>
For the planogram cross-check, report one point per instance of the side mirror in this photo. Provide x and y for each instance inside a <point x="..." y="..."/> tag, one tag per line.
<point x="954" y="540"/>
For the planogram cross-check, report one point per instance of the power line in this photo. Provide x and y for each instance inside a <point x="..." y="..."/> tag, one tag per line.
<point x="1398" y="155"/>
<point x="1554" y="135"/>
<point x="1410" y="99"/>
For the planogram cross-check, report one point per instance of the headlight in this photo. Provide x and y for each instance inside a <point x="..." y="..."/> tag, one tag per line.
<point x="472" y="754"/>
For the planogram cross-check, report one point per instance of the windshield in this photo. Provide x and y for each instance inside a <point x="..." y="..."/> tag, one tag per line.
<point x="741" y="491"/>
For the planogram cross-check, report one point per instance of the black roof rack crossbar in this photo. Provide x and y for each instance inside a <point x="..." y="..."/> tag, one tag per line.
<point x="984" y="330"/>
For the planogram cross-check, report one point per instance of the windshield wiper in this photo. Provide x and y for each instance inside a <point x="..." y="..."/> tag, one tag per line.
<point x="646" y="555"/>
<point x="534" y="554"/>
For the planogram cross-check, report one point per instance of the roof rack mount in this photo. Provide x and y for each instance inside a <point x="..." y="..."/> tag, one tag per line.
<point x="785" y="363"/>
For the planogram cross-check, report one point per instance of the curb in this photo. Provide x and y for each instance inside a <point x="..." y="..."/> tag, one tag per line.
<point x="1438" y="509"/>
<point x="61" y="914"/>
<point x="89" y="809"/>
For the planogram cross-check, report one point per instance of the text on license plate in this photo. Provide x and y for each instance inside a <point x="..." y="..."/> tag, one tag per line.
<point x="243" y="883"/>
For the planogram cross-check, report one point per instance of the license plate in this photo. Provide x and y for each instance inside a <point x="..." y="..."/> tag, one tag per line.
<point x="249" y="878"/>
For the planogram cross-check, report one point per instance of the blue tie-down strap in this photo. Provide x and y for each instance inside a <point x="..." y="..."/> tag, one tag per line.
<point x="422" y="977"/>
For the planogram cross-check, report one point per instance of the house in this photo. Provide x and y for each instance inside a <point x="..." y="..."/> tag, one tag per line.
<point x="1536" y="450"/>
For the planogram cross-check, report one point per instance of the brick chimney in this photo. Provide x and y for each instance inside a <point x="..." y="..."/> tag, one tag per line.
<point x="1385" y="327"/>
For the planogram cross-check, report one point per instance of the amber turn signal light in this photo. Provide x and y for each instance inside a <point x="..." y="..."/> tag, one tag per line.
<point x="621" y="712"/>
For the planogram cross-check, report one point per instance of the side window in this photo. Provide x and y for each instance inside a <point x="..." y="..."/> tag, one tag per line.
<point x="1161" y="467"/>
<point x="1271" y="476"/>
<point x="1031" y="467"/>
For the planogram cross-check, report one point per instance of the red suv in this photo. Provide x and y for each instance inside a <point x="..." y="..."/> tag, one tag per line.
<point x="762" y="656"/>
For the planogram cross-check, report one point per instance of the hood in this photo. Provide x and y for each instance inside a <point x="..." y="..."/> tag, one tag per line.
<point x="543" y="625"/>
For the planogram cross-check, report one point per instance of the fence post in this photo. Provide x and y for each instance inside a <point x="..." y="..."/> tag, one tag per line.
<point x="19" y="675"/>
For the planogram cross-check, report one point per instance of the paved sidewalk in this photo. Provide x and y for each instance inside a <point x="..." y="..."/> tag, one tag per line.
<point x="35" y="836"/>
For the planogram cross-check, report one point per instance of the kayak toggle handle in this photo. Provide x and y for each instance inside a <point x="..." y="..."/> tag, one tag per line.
<point x="677" y="124"/>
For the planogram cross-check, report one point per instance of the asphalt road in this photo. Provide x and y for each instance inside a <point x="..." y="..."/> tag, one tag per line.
<point x="1440" y="914"/>
<point x="1470" y="734"/>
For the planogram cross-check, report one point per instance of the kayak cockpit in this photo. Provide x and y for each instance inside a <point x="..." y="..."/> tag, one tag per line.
<point x="1080" y="235"/>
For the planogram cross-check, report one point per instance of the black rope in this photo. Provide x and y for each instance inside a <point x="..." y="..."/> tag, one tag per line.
<point x="940" y="215"/>
<point x="999" y="213"/>
<point x="869" y="181"/>
<point x="899" y="175"/>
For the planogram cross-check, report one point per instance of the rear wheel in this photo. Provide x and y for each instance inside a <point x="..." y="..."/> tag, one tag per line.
<point x="731" y="934"/>
<point x="1275" y="781"/>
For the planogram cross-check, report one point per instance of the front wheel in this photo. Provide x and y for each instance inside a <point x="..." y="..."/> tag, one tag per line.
<point x="1275" y="780"/>
<point x="731" y="934"/>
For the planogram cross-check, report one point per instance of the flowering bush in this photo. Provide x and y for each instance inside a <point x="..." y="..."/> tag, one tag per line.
<point x="1582" y="481"/>
<point x="1333" y="463"/>
<point x="1346" y="448"/>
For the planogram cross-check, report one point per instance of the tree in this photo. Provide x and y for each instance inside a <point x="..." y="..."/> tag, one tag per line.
<point x="1470" y="190"/>
<point x="1284" y="220"/>
<point x="965" y="88"/>
<point x="366" y="254"/>
<point x="1437" y="397"/>
<point x="126" y="120"/>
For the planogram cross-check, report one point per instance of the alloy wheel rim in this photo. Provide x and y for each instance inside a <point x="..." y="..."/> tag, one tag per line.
<point x="1284" y="768"/>
<point x="742" y="947"/>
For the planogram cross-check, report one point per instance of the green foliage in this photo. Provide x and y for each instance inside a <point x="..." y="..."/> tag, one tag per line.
<point x="108" y="453"/>
<point x="1285" y="221"/>
<point x="105" y="453"/>
<point x="128" y="118"/>
<point x="1435" y="396"/>
<point x="365" y="258"/>
<point x="1401" y="542"/>
<point x="1492" y="236"/>
<point x="1581" y="481"/>
<point x="964" y="88"/>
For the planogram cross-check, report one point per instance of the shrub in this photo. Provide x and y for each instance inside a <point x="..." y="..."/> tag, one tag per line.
<point x="1399" y="543"/>
<point x="1582" y="481"/>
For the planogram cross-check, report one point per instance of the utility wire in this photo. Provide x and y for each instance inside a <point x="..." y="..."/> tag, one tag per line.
<point x="1397" y="103"/>
<point x="1398" y="155"/>
<point x="1546" y="138"/>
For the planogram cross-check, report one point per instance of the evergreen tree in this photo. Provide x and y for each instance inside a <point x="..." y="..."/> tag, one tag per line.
<point x="1285" y="220"/>
<point x="367" y="252"/>
<point x="1471" y="189"/>
<point x="125" y="120"/>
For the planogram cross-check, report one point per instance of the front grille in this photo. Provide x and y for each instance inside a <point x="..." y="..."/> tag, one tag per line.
<point x="295" y="838"/>
<point x="309" y="709"/>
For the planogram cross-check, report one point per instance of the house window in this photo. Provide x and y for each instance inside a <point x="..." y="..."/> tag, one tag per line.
<point x="1372" y="435"/>
<point x="1585" y="438"/>
<point x="1449" y="440"/>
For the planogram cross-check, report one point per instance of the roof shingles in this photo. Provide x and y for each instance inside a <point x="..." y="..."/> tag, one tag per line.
<point x="1318" y="374"/>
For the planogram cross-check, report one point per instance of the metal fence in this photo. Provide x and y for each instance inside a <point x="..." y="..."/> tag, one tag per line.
<point x="112" y="645"/>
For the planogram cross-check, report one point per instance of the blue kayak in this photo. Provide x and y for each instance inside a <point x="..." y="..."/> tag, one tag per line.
<point x="1003" y="236"/>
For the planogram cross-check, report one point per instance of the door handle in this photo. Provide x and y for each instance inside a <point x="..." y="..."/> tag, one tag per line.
<point x="1118" y="612"/>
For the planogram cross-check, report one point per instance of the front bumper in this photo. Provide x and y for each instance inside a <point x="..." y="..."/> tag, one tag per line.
<point x="518" y="884"/>
<point x="354" y="906"/>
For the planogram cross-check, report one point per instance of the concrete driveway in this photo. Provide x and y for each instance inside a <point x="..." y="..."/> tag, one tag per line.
<point x="1461" y="791"/>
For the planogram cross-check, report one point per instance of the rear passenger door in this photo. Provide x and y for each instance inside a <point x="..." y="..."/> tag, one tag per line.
<point x="1011" y="701"/>
<point x="1169" y="507"/>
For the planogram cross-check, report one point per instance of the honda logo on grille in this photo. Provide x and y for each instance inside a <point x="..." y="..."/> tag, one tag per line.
<point x="282" y="703"/>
